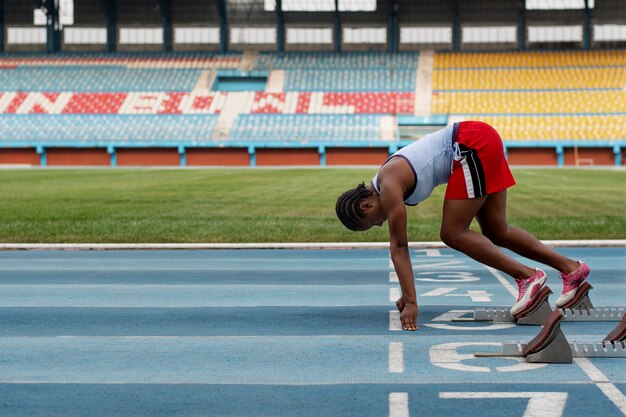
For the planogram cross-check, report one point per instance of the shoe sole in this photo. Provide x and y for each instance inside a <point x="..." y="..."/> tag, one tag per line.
<point x="580" y="293"/>
<point x="541" y="297"/>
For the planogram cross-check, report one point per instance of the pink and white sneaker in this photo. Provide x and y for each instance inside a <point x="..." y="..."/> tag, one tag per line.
<point x="571" y="282"/>
<point x="528" y="290"/>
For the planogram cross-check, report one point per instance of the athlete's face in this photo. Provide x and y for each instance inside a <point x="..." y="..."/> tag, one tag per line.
<point x="374" y="214"/>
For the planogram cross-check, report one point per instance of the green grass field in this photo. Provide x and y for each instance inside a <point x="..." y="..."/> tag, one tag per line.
<point x="274" y="205"/>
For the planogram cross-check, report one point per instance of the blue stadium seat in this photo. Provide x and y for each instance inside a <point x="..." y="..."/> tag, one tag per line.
<point x="104" y="129"/>
<point x="332" y="60"/>
<point x="364" y="80"/>
<point x="304" y="128"/>
<point x="97" y="79"/>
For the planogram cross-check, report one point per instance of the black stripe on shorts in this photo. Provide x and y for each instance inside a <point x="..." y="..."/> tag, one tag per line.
<point x="476" y="170"/>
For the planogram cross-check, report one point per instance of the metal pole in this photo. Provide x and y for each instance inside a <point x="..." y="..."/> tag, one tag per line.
<point x="392" y="26"/>
<point x="337" y="28"/>
<point x="587" y="26"/>
<point x="280" y="20"/>
<point x="521" y="26"/>
<point x="221" y="9"/>
<point x="53" y="27"/>
<point x="456" y="30"/>
<point x="108" y="7"/>
<point x="1" y="26"/>
<point x="166" y="15"/>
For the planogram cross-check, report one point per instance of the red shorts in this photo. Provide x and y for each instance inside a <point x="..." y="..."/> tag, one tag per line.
<point x="483" y="168"/>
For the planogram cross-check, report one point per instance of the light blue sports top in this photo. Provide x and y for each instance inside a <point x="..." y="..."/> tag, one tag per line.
<point x="430" y="158"/>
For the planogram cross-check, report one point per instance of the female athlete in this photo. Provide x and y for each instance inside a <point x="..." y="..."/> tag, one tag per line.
<point x="469" y="157"/>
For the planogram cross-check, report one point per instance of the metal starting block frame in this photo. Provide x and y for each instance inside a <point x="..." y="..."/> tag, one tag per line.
<point x="579" y="349"/>
<point x="560" y="351"/>
<point x="502" y="315"/>
<point x="551" y="345"/>
<point x="581" y="310"/>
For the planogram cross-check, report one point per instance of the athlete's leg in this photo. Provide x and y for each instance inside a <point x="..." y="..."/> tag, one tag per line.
<point x="492" y="220"/>
<point x="455" y="232"/>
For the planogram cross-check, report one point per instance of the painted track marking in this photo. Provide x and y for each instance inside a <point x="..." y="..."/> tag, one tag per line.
<point x="394" y="320"/>
<point x="540" y="404"/>
<point x="399" y="404"/>
<point x="503" y="280"/>
<point x="396" y="357"/>
<point x="603" y="383"/>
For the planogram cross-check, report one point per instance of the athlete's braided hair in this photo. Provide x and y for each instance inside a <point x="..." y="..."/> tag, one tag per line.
<point x="348" y="206"/>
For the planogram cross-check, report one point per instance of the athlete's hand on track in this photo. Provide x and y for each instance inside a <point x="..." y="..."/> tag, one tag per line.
<point x="408" y="314"/>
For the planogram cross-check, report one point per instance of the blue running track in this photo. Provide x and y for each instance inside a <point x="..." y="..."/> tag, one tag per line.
<point x="282" y="333"/>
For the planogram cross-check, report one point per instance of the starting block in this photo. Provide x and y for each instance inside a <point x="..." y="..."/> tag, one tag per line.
<point x="579" y="308"/>
<point x="618" y="334"/>
<point x="551" y="345"/>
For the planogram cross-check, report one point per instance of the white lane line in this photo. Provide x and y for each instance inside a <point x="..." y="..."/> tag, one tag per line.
<point x="540" y="404"/>
<point x="396" y="357"/>
<point x="503" y="280"/>
<point x="279" y="245"/>
<point x="394" y="294"/>
<point x="398" y="404"/>
<point x="394" y="320"/>
<point x="603" y="383"/>
<point x="590" y="369"/>
<point x="438" y="292"/>
<point x="393" y="277"/>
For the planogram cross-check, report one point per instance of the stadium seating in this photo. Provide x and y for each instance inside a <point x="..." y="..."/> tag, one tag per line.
<point x="333" y="103"/>
<point x="529" y="102"/>
<point x="206" y="103"/>
<point x="574" y="95"/>
<point x="368" y="71"/>
<point x="112" y="103"/>
<point x="105" y="129"/>
<point x="203" y="60"/>
<point x="83" y="79"/>
<point x="530" y="59"/>
<point x="559" y="128"/>
<point x="306" y="128"/>
<point x="545" y="96"/>
<point x="528" y="79"/>
<point x="350" y="80"/>
<point x="331" y="60"/>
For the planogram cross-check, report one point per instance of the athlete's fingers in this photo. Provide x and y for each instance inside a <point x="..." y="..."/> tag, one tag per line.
<point x="409" y="324"/>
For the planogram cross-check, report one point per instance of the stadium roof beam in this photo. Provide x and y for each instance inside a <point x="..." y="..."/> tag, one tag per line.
<point x="456" y="28"/>
<point x="53" y="26"/>
<point x="280" y="26"/>
<point x="392" y="26"/>
<point x="521" y="26"/>
<point x="221" y="9"/>
<point x="108" y="7"/>
<point x="1" y="25"/>
<point x="587" y="26"/>
<point x="166" y="14"/>
<point x="337" y="27"/>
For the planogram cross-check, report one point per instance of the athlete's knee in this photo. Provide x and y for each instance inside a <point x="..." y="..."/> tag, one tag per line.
<point x="498" y="235"/>
<point x="449" y="237"/>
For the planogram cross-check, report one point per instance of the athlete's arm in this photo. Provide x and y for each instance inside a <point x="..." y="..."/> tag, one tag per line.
<point x="392" y="202"/>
